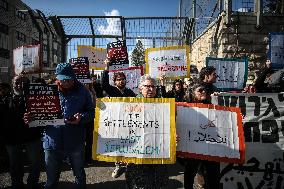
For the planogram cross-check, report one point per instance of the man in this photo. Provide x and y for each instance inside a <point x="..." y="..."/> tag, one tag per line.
<point x="18" y="136"/>
<point x="68" y="140"/>
<point x="118" y="90"/>
<point x="207" y="77"/>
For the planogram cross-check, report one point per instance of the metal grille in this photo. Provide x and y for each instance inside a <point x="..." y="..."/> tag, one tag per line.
<point x="100" y="30"/>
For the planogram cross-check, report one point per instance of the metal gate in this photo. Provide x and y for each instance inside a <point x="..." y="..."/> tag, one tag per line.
<point x="99" y="30"/>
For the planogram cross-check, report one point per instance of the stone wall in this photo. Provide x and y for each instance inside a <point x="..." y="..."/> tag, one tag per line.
<point x="242" y="38"/>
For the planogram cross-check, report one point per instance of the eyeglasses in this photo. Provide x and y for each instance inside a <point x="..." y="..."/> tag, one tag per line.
<point x="149" y="86"/>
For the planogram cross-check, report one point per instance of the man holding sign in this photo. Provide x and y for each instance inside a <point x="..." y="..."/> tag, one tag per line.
<point x="69" y="139"/>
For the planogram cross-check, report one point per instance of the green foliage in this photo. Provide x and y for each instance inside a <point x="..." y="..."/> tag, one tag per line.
<point x="138" y="54"/>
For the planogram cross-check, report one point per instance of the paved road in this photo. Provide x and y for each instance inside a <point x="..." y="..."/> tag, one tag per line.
<point x="98" y="176"/>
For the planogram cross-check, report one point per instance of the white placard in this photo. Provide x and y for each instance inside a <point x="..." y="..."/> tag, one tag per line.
<point x="96" y="56"/>
<point x="231" y="73"/>
<point x="26" y="59"/>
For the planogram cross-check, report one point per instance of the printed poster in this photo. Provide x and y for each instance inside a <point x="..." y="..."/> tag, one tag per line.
<point x="172" y="62"/>
<point x="42" y="101"/>
<point x="117" y="55"/>
<point x="80" y="66"/>
<point x="135" y="130"/>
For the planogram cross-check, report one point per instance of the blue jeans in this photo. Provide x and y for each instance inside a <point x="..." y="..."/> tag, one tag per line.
<point x="53" y="162"/>
<point x="16" y="163"/>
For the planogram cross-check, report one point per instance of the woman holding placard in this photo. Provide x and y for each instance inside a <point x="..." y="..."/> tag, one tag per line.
<point x="200" y="173"/>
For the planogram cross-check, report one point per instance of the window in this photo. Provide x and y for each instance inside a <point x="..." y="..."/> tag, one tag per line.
<point x="21" y="15"/>
<point x="4" y="28"/>
<point x="4" y="4"/>
<point x="22" y="37"/>
<point x="4" y="53"/>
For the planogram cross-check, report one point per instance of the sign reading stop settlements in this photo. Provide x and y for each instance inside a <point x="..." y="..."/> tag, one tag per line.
<point x="135" y="130"/>
<point x="96" y="56"/>
<point x="232" y="73"/>
<point x="132" y="74"/>
<point x="26" y="58"/>
<point x="205" y="132"/>
<point x="173" y="62"/>
<point x="44" y="104"/>
<point x="80" y="66"/>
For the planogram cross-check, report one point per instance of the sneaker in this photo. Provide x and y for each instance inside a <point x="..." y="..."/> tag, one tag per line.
<point x="118" y="171"/>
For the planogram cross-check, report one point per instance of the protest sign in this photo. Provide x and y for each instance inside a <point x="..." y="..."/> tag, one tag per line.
<point x="205" y="132"/>
<point x="42" y="101"/>
<point x="96" y="56"/>
<point x="132" y="74"/>
<point x="263" y="122"/>
<point x="117" y="55"/>
<point x="231" y="73"/>
<point x="80" y="66"/>
<point x="26" y="59"/>
<point x="276" y="50"/>
<point x="135" y="130"/>
<point x="172" y="62"/>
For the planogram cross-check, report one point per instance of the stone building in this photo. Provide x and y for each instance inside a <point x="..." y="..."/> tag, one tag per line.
<point x="20" y="25"/>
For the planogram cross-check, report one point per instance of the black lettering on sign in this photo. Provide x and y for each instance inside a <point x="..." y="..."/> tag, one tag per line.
<point x="271" y="126"/>
<point x="252" y="132"/>
<point x="281" y="97"/>
<point x="256" y="100"/>
<point x="271" y="107"/>
<point x="220" y="100"/>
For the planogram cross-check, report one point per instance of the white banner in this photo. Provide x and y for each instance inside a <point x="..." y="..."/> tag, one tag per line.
<point x="173" y="62"/>
<point x="206" y="133"/>
<point x="132" y="74"/>
<point x="263" y="129"/>
<point x="26" y="58"/>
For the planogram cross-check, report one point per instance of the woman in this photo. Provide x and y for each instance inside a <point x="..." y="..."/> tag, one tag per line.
<point x="200" y="173"/>
<point x="146" y="176"/>
<point x="177" y="91"/>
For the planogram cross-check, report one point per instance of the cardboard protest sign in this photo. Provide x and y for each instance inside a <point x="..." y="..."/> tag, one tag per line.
<point x="232" y="73"/>
<point x="276" y="50"/>
<point x="80" y="66"/>
<point x="135" y="130"/>
<point x="42" y="101"/>
<point x="173" y="62"/>
<point x="117" y="55"/>
<point x="132" y="74"/>
<point x="263" y="122"/>
<point x="96" y="56"/>
<point x="205" y="132"/>
<point x="26" y="59"/>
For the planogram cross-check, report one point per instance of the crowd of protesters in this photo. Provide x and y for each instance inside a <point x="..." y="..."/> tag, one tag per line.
<point x="74" y="139"/>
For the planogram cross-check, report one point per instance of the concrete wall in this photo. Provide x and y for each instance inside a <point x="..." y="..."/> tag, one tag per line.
<point x="241" y="38"/>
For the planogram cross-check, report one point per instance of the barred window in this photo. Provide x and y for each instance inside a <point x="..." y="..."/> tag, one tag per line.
<point x="22" y="37"/>
<point x="21" y="15"/>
